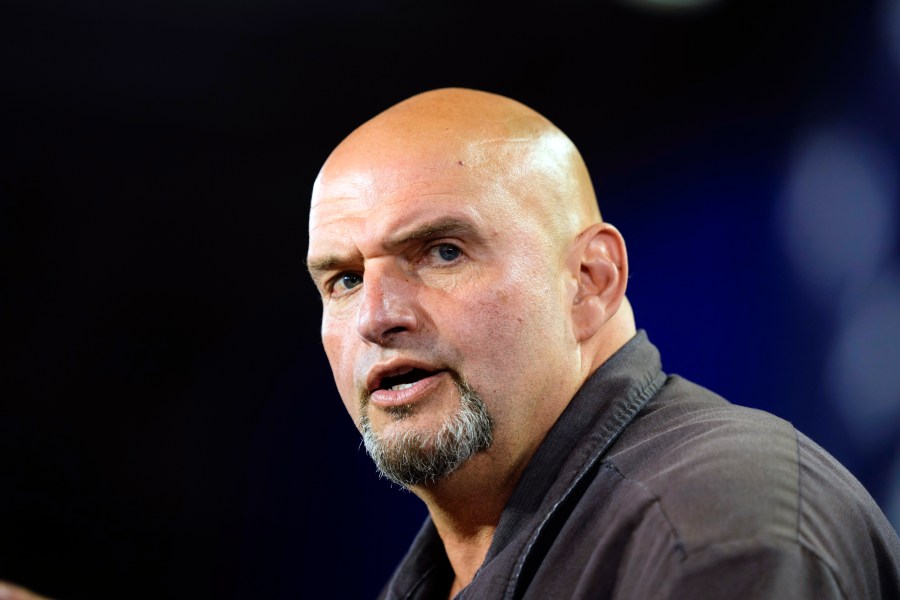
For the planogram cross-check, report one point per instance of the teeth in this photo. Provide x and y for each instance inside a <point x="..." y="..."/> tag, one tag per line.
<point x="401" y="386"/>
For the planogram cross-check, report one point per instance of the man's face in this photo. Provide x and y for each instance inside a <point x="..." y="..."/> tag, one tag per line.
<point x="435" y="274"/>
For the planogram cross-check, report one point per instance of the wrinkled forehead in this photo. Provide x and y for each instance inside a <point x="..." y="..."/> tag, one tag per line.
<point x="359" y="178"/>
<point x="379" y="202"/>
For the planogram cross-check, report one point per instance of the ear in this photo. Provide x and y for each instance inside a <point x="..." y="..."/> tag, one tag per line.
<point x="600" y="266"/>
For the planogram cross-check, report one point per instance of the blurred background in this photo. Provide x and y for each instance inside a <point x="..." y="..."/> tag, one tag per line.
<point x="168" y="424"/>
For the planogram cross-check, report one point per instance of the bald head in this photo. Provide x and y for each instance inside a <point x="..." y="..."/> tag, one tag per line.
<point x="457" y="216"/>
<point x="525" y="156"/>
<point x="457" y="245"/>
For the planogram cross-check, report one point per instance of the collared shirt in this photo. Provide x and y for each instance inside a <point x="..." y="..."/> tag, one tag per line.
<point x="650" y="486"/>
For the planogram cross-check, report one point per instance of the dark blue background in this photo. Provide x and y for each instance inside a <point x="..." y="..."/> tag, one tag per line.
<point x="168" y="423"/>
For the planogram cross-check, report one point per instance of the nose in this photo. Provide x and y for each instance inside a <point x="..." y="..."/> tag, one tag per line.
<point x="387" y="306"/>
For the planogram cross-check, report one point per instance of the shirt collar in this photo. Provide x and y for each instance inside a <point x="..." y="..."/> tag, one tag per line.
<point x="596" y="415"/>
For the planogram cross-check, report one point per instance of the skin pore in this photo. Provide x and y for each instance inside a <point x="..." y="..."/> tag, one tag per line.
<point x="455" y="237"/>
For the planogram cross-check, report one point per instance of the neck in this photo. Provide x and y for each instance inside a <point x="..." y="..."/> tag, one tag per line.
<point x="466" y="507"/>
<point x="614" y="334"/>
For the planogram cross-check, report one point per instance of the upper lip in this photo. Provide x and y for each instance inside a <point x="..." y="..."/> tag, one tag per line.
<point x="391" y="368"/>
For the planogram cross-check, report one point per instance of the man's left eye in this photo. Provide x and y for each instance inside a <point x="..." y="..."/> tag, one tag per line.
<point x="446" y="252"/>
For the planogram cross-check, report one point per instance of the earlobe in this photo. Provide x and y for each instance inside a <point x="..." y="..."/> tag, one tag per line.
<point x="602" y="274"/>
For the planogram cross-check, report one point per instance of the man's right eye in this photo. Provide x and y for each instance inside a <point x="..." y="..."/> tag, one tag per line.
<point x="346" y="281"/>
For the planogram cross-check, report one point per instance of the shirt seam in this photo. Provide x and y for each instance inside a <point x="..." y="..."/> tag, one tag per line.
<point x="678" y="544"/>
<point x="801" y="501"/>
<point x="801" y="546"/>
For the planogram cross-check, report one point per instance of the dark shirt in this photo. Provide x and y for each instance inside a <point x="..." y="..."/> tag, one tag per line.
<point x="649" y="486"/>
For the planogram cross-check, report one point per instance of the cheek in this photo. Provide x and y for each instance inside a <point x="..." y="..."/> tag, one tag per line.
<point x="332" y="334"/>
<point x="503" y="329"/>
<point x="519" y="322"/>
<point x="333" y="341"/>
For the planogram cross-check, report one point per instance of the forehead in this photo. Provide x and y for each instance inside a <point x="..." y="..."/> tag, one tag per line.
<point x="377" y="199"/>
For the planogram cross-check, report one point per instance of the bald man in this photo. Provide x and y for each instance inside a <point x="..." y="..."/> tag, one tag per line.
<point x="475" y="319"/>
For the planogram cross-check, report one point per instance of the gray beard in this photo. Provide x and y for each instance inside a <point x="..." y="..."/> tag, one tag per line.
<point x="419" y="458"/>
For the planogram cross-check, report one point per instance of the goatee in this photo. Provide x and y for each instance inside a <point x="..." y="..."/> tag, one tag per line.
<point x="419" y="458"/>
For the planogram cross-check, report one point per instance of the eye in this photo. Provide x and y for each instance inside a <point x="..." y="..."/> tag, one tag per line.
<point x="446" y="252"/>
<point x="346" y="281"/>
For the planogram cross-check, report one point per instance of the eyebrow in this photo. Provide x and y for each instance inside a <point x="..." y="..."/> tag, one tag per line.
<point x="322" y="265"/>
<point x="448" y="227"/>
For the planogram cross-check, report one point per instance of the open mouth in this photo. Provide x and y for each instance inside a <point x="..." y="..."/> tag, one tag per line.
<point x="404" y="381"/>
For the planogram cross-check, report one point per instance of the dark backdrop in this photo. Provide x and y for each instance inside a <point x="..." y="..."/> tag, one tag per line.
<point x="168" y="423"/>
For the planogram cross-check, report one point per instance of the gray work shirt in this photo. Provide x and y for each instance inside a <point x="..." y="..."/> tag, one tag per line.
<point x="651" y="486"/>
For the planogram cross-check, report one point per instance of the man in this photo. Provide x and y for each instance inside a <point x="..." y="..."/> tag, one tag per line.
<point x="475" y="319"/>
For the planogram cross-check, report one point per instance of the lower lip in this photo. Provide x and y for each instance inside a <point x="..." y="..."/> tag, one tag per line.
<point x="410" y="395"/>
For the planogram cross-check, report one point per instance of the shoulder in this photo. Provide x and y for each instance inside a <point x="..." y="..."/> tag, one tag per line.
<point x="726" y="480"/>
<point x="701" y="456"/>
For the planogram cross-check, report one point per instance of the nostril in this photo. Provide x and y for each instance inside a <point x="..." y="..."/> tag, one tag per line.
<point x="388" y="333"/>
